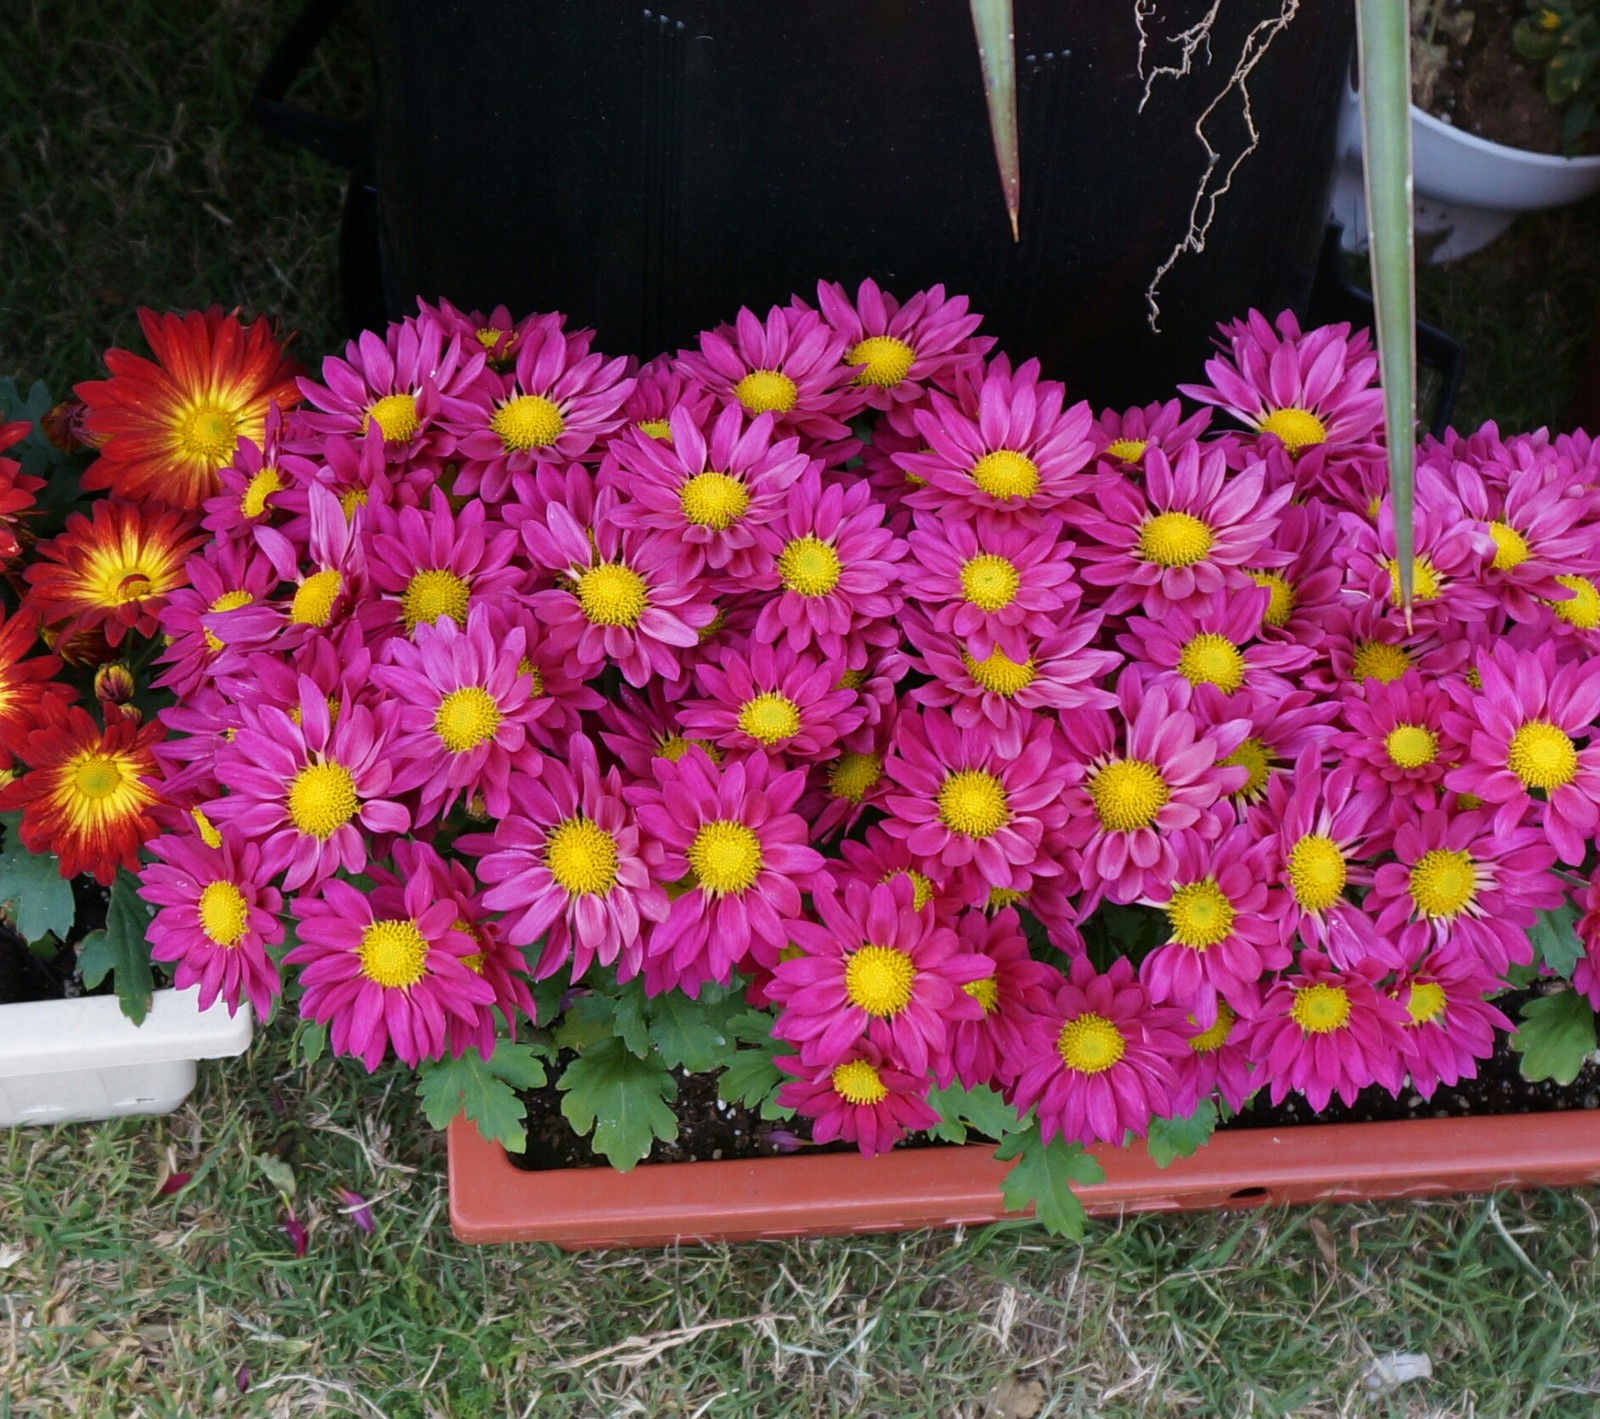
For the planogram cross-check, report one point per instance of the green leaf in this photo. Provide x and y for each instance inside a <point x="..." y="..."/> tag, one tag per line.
<point x="994" y="25"/>
<point x="31" y="884"/>
<point x="128" y="940"/>
<point x="628" y="1022"/>
<point x="980" y="1109"/>
<point x="1555" y="1037"/>
<point x="1171" y="1138"/>
<point x="309" y="1044"/>
<point x="483" y="1089"/>
<point x="588" y="1020"/>
<point x="622" y="1098"/>
<point x="691" y="1034"/>
<point x="276" y="1171"/>
<point x="1044" y="1175"/>
<point x="547" y="993"/>
<point x="1555" y="938"/>
<point x="94" y="959"/>
<point x="519" y="1065"/>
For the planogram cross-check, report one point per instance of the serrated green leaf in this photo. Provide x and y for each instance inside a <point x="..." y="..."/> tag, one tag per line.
<point x="128" y="940"/>
<point x="749" y="1079"/>
<point x="753" y="1027"/>
<point x="38" y="898"/>
<point x="1555" y="938"/>
<point x="276" y="1171"/>
<point x="628" y="1022"/>
<point x="1171" y="1138"/>
<point x="309" y="1044"/>
<point x="94" y="959"/>
<point x="546" y="993"/>
<point x="471" y="1086"/>
<point x="587" y="1021"/>
<point x="1043" y="1175"/>
<point x="519" y="1064"/>
<point x="689" y="1034"/>
<point x="981" y="1109"/>
<point x="1555" y="1036"/>
<point x="622" y="1099"/>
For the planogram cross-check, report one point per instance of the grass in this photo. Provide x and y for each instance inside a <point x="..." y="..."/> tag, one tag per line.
<point x="133" y="175"/>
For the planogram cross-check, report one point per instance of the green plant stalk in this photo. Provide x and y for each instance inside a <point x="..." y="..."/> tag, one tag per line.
<point x="1383" y="40"/>
<point x="993" y="23"/>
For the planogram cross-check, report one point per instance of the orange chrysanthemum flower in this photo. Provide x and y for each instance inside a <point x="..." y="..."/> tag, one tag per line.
<point x="25" y="685"/>
<point x="85" y="797"/>
<point x="165" y="428"/>
<point x="111" y="573"/>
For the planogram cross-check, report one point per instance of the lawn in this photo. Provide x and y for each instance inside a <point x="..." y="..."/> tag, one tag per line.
<point x="133" y="176"/>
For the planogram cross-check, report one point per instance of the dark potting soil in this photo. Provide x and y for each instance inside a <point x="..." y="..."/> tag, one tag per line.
<point x="709" y="1130"/>
<point x="26" y="975"/>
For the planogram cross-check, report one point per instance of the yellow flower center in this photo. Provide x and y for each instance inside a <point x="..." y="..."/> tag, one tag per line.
<point x="1210" y="659"/>
<point x="253" y="501"/>
<point x="1424" y="580"/>
<point x="887" y="360"/>
<point x="1251" y="755"/>
<point x="1127" y="794"/>
<point x="1320" y="1009"/>
<point x="208" y="432"/>
<point x="725" y="856"/>
<point x="612" y="595"/>
<point x="852" y="679"/>
<point x="878" y="979"/>
<point x="322" y="799"/>
<point x="581" y="856"/>
<point x="973" y="802"/>
<point x="658" y="429"/>
<point x="989" y="582"/>
<point x="1002" y="897"/>
<point x="97" y="776"/>
<point x="224" y="914"/>
<point x="314" y="598"/>
<point x="1582" y="608"/>
<point x="770" y="717"/>
<point x="985" y="991"/>
<point x="1217" y="1035"/>
<point x="857" y="1082"/>
<point x="1296" y="428"/>
<point x="1174" y="539"/>
<point x="395" y="415"/>
<point x="431" y="594"/>
<point x="350" y="500"/>
<point x="852" y="775"/>
<point x="528" y="421"/>
<point x="1128" y="450"/>
<point x="1378" y="660"/>
<point x="1091" y="1044"/>
<point x="1510" y="546"/>
<point x="998" y="673"/>
<point x="466" y="718"/>
<point x="1200" y="913"/>
<point x="1410" y="746"/>
<point x="809" y="566"/>
<point x="1443" y="883"/>
<point x="1006" y="473"/>
<point x="921" y="886"/>
<point x="1542" y="756"/>
<point x="1316" y="872"/>
<point x="713" y="500"/>
<point x="1281" y="605"/>
<point x="1426" y="1002"/>
<point x="766" y="391"/>
<point x="228" y="601"/>
<point x="392" y="954"/>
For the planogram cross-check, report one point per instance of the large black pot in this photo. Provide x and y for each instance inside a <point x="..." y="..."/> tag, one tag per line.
<point x="650" y="170"/>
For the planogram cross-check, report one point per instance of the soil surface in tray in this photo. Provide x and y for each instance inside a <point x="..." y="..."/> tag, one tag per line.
<point x="26" y="975"/>
<point x="709" y="1130"/>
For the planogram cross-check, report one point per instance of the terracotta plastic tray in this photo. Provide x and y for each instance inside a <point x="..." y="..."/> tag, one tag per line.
<point x="492" y="1200"/>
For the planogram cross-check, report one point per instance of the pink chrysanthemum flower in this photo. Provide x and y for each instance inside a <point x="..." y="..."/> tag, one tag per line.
<point x="877" y="857"/>
<point x="1098" y="1062"/>
<point x="876" y="966"/>
<point x="197" y="620"/>
<point x="308" y="790"/>
<point x="1323" y="1031"/>
<point x="1324" y="829"/>
<point x="991" y="581"/>
<point x="339" y="665"/>
<point x="465" y="710"/>
<point x="566" y="865"/>
<point x="896" y="350"/>
<point x="252" y="487"/>
<point x="771" y="701"/>
<point x="1586" y="974"/>
<point x="1215" y="1066"/>
<point x="386" y="967"/>
<point x="733" y="828"/>
<point x="1523" y="734"/>
<point x="1004" y="697"/>
<point x="660" y="389"/>
<point x="834" y="569"/>
<point x="1370" y="642"/>
<point x="196" y="729"/>
<point x="1450" y="1023"/>
<point x="1308" y="390"/>
<point x="1458" y="889"/>
<point x="958" y="801"/>
<point x="639" y="729"/>
<point x="1017" y="451"/>
<point x="433" y="564"/>
<point x="842" y="789"/>
<point x="1189" y="529"/>
<point x="1302" y="591"/>
<point x="218" y="914"/>
<point x="706" y="491"/>
<point x="1221" y="940"/>
<point x="1150" y="774"/>
<point x="626" y="598"/>
<point x="557" y="405"/>
<point x="1121" y="437"/>
<point x="989" y="1049"/>
<point x="1397" y="739"/>
<point x="866" y="1099"/>
<point x="559" y="690"/>
<point x="498" y="333"/>
<point x="357" y="474"/>
<point x="790" y="366"/>
<point x="1211" y="641"/>
<point x="325" y="590"/>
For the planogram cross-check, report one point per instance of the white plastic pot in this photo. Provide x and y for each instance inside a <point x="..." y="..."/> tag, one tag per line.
<point x="1468" y="190"/>
<point x="65" y="1061"/>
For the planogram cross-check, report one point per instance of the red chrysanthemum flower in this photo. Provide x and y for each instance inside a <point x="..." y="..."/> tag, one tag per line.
<point x="164" y="429"/>
<point x="25" y="685"/>
<point x="17" y="489"/>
